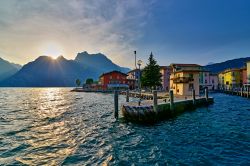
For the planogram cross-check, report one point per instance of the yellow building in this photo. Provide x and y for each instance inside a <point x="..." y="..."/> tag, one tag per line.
<point x="230" y="78"/>
<point x="184" y="78"/>
<point x="248" y="72"/>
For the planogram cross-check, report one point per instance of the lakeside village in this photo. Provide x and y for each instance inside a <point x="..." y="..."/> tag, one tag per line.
<point x="181" y="78"/>
<point x="166" y="91"/>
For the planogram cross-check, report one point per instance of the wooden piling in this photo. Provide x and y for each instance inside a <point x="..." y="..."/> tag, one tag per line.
<point x="206" y="93"/>
<point x="171" y="96"/>
<point x="116" y="104"/>
<point x="127" y="96"/>
<point x="193" y="96"/>
<point x="155" y="100"/>
<point x="241" y="92"/>
<point x="247" y="92"/>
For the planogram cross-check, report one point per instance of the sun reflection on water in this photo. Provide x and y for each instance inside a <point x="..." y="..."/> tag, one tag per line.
<point x="50" y="132"/>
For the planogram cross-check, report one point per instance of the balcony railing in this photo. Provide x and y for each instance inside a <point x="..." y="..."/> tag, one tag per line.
<point x="182" y="79"/>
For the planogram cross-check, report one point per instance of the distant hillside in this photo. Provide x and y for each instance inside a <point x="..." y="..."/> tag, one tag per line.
<point x="234" y="63"/>
<point x="7" y="69"/>
<point x="47" y="72"/>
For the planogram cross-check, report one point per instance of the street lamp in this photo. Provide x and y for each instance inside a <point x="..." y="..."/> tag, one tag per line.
<point x="139" y="63"/>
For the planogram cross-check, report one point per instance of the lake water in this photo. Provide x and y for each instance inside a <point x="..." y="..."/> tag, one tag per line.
<point x="53" y="126"/>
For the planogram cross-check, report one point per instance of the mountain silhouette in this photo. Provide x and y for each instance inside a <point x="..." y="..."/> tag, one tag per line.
<point x="234" y="63"/>
<point x="99" y="62"/>
<point x="60" y="72"/>
<point x="7" y="69"/>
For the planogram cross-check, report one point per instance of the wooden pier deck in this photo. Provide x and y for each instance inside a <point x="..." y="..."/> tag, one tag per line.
<point x="151" y="111"/>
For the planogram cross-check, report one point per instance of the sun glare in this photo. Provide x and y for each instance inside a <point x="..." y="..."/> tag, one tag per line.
<point x="53" y="50"/>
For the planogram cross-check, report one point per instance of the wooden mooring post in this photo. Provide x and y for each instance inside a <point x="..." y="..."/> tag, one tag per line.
<point x="206" y="94"/>
<point x="193" y="96"/>
<point x="155" y="100"/>
<point x="241" y="92"/>
<point x="171" y="96"/>
<point x="116" y="95"/>
<point x="247" y="92"/>
<point x="127" y="96"/>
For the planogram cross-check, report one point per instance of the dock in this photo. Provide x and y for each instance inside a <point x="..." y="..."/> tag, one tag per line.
<point x="237" y="92"/>
<point x="152" y="111"/>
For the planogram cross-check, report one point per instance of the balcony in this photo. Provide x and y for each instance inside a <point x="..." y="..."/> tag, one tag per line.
<point x="182" y="79"/>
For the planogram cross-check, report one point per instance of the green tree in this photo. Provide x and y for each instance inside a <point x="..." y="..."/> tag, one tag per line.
<point x="89" y="81"/>
<point x="151" y="76"/>
<point x="78" y="82"/>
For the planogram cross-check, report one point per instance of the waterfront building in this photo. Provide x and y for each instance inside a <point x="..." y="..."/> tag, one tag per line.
<point x="184" y="78"/>
<point x="244" y="75"/>
<point x="165" y="78"/>
<point x="133" y="76"/>
<point x="113" y="80"/>
<point x="208" y="80"/>
<point x="248" y="72"/>
<point x="230" y="79"/>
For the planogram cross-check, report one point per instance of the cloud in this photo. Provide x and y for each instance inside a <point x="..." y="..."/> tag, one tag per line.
<point x="108" y="26"/>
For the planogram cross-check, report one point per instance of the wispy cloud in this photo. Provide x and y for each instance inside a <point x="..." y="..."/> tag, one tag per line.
<point x="108" y="26"/>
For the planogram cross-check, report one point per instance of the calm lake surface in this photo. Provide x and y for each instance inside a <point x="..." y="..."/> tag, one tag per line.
<point x="53" y="126"/>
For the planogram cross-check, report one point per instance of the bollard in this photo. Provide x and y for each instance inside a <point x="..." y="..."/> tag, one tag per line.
<point x="193" y="95"/>
<point x="116" y="103"/>
<point x="155" y="100"/>
<point x="206" y="94"/>
<point x="247" y="92"/>
<point x="127" y="96"/>
<point x="171" y="95"/>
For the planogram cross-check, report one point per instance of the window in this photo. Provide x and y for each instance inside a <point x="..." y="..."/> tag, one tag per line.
<point x="191" y="87"/>
<point x="110" y="77"/>
<point x="227" y="83"/>
<point x="205" y="81"/>
<point x="191" y="75"/>
<point x="213" y="81"/>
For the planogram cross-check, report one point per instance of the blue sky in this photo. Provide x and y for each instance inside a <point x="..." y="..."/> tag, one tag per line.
<point x="181" y="31"/>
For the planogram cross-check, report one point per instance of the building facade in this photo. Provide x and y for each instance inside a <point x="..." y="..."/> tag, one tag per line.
<point x="208" y="80"/>
<point x="230" y="79"/>
<point x="244" y="75"/>
<point x="133" y="76"/>
<point x="184" y="78"/>
<point x="248" y="72"/>
<point x="165" y="78"/>
<point x="113" y="80"/>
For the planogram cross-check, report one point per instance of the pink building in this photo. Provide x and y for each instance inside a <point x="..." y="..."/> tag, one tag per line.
<point x="209" y="80"/>
<point x="165" y="78"/>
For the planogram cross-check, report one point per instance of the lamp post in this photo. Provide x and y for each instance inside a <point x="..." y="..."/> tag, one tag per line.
<point x="135" y="59"/>
<point x="139" y="63"/>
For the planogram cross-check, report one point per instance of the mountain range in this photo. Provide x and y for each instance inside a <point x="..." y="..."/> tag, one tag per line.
<point x="60" y="72"/>
<point x="7" y="69"/>
<point x="234" y="63"/>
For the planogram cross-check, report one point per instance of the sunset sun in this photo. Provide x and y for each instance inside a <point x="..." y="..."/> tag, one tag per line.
<point x="52" y="49"/>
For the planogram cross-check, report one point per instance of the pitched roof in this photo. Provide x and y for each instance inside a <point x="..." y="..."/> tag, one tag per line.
<point x="134" y="70"/>
<point x="188" y="71"/>
<point x="185" y="65"/>
<point x="114" y="71"/>
<point x="165" y="67"/>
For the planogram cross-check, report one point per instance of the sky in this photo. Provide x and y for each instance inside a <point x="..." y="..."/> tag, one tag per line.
<point x="176" y="31"/>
